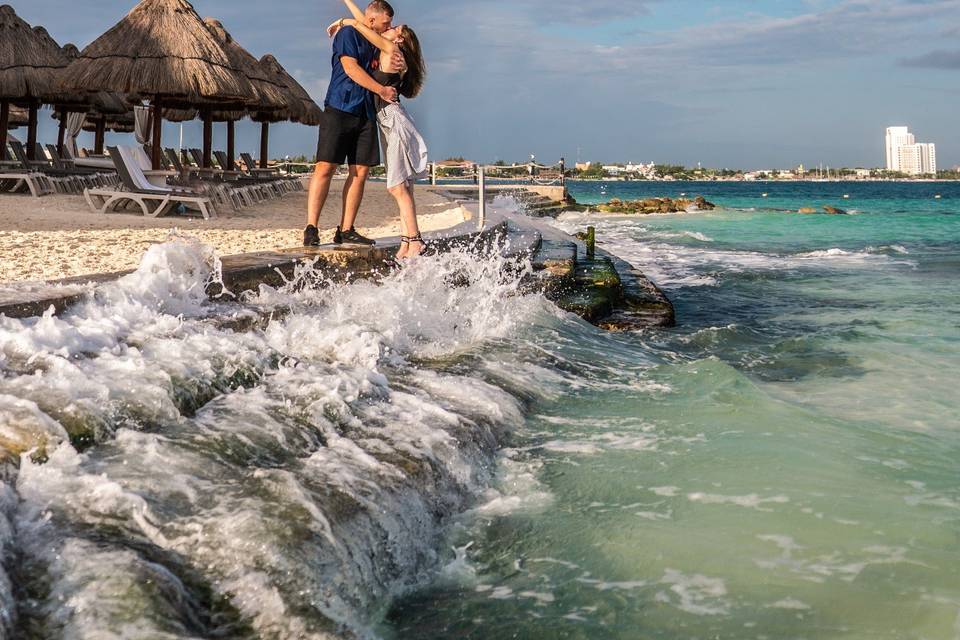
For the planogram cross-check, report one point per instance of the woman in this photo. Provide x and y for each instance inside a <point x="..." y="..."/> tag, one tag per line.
<point x="405" y="152"/>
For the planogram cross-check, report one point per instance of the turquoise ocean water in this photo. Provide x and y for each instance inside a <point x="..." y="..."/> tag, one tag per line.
<point x="785" y="463"/>
<point x="443" y="454"/>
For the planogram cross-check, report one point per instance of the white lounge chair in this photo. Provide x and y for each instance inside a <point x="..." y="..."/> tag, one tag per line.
<point x="153" y="200"/>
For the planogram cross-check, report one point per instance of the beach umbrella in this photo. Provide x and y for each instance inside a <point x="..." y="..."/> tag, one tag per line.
<point x="300" y="107"/>
<point x="162" y="52"/>
<point x="268" y="95"/>
<point x="29" y="62"/>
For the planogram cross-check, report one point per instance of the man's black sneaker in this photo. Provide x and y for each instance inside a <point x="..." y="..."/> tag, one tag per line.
<point x="338" y="236"/>
<point x="352" y="237"/>
<point x="311" y="236"/>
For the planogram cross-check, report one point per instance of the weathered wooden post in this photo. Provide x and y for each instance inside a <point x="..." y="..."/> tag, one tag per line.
<point x="476" y="174"/>
<point x="591" y="242"/>
<point x="563" y="172"/>
<point x="100" y="136"/>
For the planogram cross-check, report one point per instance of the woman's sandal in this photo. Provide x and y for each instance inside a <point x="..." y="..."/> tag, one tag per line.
<point x="416" y="238"/>
<point x="419" y="238"/>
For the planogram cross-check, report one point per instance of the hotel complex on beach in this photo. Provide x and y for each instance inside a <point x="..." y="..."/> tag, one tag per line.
<point x="906" y="155"/>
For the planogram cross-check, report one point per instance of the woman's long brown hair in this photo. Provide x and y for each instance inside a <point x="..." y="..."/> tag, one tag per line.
<point x="416" y="73"/>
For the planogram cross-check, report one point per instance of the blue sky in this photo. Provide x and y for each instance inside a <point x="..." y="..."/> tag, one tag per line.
<point x="745" y="83"/>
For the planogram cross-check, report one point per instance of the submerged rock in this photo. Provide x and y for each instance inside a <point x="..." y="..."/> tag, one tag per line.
<point x="834" y="211"/>
<point x="807" y="210"/>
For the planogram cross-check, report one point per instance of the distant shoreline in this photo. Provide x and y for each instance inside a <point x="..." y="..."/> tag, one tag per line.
<point x="786" y="181"/>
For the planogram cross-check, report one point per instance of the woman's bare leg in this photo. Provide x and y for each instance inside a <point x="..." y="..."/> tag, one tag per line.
<point x="403" y="194"/>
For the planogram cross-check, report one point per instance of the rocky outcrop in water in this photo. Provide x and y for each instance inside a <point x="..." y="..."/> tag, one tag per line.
<point x="657" y="205"/>
<point x="834" y="211"/>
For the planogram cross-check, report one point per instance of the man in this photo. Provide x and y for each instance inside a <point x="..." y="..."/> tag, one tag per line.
<point x="348" y="130"/>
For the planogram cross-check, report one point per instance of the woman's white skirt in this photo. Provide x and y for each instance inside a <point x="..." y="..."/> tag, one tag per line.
<point x="404" y="151"/>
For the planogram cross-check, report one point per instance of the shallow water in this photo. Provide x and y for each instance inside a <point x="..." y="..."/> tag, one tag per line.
<point x="438" y="455"/>
<point x="783" y="464"/>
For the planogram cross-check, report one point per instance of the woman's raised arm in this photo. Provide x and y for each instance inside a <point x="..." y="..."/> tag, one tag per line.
<point x="354" y="10"/>
<point x="372" y="36"/>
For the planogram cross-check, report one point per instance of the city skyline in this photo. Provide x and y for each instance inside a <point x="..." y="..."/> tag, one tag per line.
<point x="735" y="83"/>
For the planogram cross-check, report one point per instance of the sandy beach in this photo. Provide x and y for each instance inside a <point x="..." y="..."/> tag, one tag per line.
<point x="59" y="236"/>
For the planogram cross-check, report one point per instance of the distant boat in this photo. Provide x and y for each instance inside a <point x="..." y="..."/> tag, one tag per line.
<point x="765" y="195"/>
<point x="937" y="197"/>
<point x="847" y="196"/>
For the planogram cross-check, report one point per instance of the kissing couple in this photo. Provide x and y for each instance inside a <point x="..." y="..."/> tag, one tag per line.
<point x="374" y="63"/>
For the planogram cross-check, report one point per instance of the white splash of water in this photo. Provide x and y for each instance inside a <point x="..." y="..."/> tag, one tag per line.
<point x="297" y="473"/>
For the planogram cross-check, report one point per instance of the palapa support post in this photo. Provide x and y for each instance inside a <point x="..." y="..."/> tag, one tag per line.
<point x="32" y="131"/>
<point x="100" y="136"/>
<point x="157" y="131"/>
<point x="4" y="123"/>
<point x="207" y="138"/>
<point x="476" y="174"/>
<point x="264" y="145"/>
<point x="231" y="144"/>
<point x="61" y="131"/>
<point x="591" y="242"/>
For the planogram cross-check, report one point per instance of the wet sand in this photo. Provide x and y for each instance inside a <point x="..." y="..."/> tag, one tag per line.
<point x="59" y="236"/>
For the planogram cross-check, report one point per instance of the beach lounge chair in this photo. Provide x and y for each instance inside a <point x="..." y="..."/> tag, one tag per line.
<point x="91" y="177"/>
<point x="153" y="201"/>
<point x="259" y="189"/>
<point x="254" y="170"/>
<point x="64" y="180"/>
<point x="14" y="180"/>
<point x="290" y="183"/>
<point x="29" y="175"/>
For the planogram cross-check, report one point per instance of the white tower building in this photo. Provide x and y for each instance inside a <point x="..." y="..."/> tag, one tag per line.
<point x="897" y="137"/>
<point x="917" y="159"/>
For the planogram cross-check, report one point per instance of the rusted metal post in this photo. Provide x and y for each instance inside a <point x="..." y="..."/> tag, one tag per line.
<point x="591" y="242"/>
<point x="563" y="172"/>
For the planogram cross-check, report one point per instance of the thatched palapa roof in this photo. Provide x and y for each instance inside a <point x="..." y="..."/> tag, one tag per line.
<point x="102" y="102"/>
<point x="29" y="60"/>
<point x="162" y="48"/>
<point x="269" y="94"/>
<point x="117" y="123"/>
<point x="300" y="106"/>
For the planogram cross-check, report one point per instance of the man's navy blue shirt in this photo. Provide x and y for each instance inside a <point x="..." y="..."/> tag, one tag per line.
<point x="343" y="93"/>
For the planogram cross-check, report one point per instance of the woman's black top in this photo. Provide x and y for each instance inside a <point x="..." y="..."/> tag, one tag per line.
<point x="394" y="80"/>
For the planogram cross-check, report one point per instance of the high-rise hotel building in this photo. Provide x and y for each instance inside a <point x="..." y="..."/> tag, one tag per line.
<point x="905" y="155"/>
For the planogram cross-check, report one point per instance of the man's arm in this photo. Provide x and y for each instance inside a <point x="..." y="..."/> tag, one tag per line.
<point x="362" y="78"/>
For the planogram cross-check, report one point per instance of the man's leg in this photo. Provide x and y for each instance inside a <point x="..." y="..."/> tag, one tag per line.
<point x="319" y="190"/>
<point x="353" y="195"/>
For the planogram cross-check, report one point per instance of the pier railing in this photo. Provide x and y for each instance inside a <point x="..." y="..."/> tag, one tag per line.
<point x="531" y="173"/>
